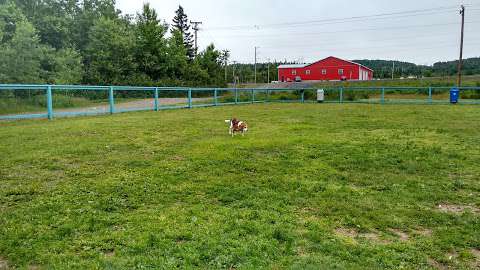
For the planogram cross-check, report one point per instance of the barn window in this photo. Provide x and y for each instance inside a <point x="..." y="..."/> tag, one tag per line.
<point x="294" y="72"/>
<point x="340" y="72"/>
<point x="307" y="72"/>
<point x="324" y="72"/>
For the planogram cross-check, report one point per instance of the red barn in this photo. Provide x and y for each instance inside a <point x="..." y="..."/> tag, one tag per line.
<point x="328" y="69"/>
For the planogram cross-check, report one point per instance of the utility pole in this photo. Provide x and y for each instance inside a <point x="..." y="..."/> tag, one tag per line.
<point x="195" y="28"/>
<point x="226" y="70"/>
<point x="268" y="70"/>
<point x="226" y="55"/>
<point x="256" y="64"/>
<point x="459" y="79"/>
<point x="393" y="69"/>
<point x="234" y="79"/>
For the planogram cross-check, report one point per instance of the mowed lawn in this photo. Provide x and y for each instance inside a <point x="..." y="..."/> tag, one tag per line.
<point x="310" y="187"/>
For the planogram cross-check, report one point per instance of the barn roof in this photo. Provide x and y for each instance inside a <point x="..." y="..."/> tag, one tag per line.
<point x="294" y="66"/>
<point x="306" y="65"/>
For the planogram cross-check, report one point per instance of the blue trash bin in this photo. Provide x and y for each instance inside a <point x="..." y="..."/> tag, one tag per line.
<point x="454" y="95"/>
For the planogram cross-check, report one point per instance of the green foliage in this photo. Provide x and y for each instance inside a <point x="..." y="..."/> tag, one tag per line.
<point x="90" y="42"/>
<point x="110" y="53"/>
<point x="25" y="59"/>
<point x="151" y="46"/>
<point x="68" y="67"/>
<point x="470" y="66"/>
<point x="177" y="62"/>
<point x="210" y="60"/>
<point x="20" y="47"/>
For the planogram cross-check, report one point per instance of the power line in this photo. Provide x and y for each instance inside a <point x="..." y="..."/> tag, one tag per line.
<point x="196" y="28"/>
<point x="369" y="40"/>
<point x="256" y="63"/>
<point x="299" y="25"/>
<point x="303" y="45"/>
<point x="331" y="20"/>
<point x="393" y="50"/>
<point x="349" y="31"/>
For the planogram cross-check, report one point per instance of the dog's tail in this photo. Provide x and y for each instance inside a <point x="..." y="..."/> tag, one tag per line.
<point x="227" y="121"/>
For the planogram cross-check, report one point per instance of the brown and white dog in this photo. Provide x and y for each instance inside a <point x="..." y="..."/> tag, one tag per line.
<point x="236" y="126"/>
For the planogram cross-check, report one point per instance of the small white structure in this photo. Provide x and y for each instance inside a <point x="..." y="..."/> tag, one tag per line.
<point x="320" y="95"/>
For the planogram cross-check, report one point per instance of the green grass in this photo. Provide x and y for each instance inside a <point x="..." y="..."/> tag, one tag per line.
<point x="12" y="105"/>
<point x="310" y="187"/>
<point x="38" y="103"/>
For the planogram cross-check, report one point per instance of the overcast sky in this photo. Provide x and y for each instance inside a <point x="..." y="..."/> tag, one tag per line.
<point x="310" y="30"/>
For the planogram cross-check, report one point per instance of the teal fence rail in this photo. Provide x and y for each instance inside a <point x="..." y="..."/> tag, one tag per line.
<point x="50" y="101"/>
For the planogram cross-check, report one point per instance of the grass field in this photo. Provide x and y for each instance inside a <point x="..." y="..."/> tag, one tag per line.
<point x="310" y="187"/>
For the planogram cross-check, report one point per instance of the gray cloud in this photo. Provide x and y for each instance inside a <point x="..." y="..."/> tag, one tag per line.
<point x="422" y="38"/>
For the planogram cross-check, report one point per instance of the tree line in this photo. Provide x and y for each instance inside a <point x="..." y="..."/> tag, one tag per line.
<point x="245" y="73"/>
<point x="91" y="42"/>
<point x="383" y="68"/>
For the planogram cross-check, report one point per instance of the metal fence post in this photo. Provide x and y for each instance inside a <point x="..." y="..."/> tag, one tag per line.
<point x="156" y="99"/>
<point x="215" y="97"/>
<point x="341" y="94"/>
<point x="303" y="96"/>
<point x="236" y="96"/>
<point x="49" y="103"/>
<point x="253" y="96"/>
<point x="111" y="100"/>
<point x="190" y="98"/>
<point x="268" y="95"/>
<point x="383" y="96"/>
<point x="430" y="98"/>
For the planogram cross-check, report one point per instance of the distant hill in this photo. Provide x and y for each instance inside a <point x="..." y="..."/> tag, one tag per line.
<point x="471" y="66"/>
<point x="383" y="68"/>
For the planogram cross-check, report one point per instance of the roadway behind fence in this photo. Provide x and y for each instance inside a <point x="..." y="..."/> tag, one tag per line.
<point x="50" y="101"/>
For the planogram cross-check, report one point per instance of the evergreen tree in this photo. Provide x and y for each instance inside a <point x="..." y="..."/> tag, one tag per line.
<point x="177" y="61"/>
<point x="181" y="24"/>
<point x="151" y="52"/>
<point x="210" y="60"/>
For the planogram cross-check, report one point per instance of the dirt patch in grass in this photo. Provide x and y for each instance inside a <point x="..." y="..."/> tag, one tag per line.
<point x="436" y="264"/>
<point x="3" y="264"/>
<point x="457" y="209"/>
<point x="348" y="233"/>
<point x="476" y="254"/>
<point x="109" y="253"/>
<point x="403" y="236"/>
<point x="353" y="234"/>
<point x="452" y="256"/>
<point x="301" y="252"/>
<point x="374" y="237"/>
<point x="178" y="158"/>
<point x="423" y="232"/>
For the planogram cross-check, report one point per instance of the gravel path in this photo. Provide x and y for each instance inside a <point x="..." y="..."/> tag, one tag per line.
<point x="130" y="105"/>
